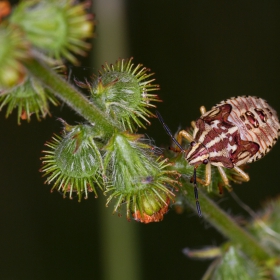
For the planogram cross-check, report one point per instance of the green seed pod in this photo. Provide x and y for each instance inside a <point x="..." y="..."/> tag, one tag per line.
<point x="58" y="28"/>
<point x="122" y="91"/>
<point x="14" y="50"/>
<point x="74" y="161"/>
<point x="139" y="179"/>
<point x="30" y="98"/>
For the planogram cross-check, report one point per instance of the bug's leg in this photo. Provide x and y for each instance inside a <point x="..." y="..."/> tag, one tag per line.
<point x="243" y="174"/>
<point x="193" y="124"/>
<point x="202" y="110"/>
<point x="207" y="179"/>
<point x="223" y="175"/>
<point x="207" y="174"/>
<point x="183" y="134"/>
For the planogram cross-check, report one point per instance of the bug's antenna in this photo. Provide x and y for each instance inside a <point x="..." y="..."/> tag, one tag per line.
<point x="196" y="194"/>
<point x="168" y="131"/>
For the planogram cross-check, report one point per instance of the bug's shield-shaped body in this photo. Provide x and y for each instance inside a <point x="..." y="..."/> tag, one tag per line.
<point x="234" y="132"/>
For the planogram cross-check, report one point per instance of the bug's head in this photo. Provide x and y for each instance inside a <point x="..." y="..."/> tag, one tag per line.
<point x="197" y="154"/>
<point x="192" y="158"/>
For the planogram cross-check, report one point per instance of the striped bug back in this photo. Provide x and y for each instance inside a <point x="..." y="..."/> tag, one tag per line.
<point x="234" y="132"/>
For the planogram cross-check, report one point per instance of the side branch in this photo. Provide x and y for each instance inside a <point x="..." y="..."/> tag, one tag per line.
<point x="73" y="98"/>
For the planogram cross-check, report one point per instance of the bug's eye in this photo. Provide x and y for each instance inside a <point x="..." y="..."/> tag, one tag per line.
<point x="205" y="161"/>
<point x="192" y="143"/>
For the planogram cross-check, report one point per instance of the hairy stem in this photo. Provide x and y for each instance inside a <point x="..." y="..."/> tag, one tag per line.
<point x="226" y="225"/>
<point x="73" y="98"/>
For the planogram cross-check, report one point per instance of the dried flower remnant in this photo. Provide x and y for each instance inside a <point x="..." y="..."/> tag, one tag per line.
<point x="5" y="9"/>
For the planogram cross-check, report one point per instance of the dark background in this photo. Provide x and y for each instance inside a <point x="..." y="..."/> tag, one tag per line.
<point x="202" y="52"/>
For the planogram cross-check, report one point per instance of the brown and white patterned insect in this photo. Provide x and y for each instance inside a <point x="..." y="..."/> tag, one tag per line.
<point x="234" y="132"/>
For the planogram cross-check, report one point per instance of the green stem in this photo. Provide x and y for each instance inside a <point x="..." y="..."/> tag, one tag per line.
<point x="73" y="98"/>
<point x="226" y="225"/>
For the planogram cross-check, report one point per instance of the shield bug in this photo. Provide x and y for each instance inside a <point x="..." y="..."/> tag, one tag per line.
<point x="234" y="132"/>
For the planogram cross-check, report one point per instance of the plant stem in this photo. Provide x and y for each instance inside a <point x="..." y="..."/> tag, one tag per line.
<point x="226" y="225"/>
<point x="73" y="98"/>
